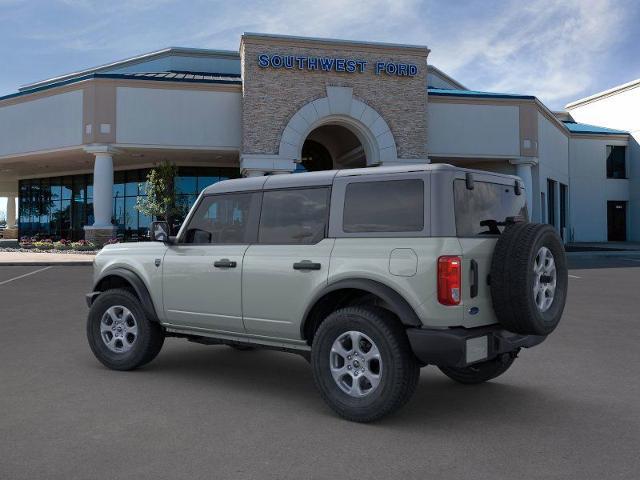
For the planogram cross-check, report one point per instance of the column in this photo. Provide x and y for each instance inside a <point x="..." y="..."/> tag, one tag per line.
<point x="524" y="171"/>
<point x="102" y="228"/>
<point x="11" y="212"/>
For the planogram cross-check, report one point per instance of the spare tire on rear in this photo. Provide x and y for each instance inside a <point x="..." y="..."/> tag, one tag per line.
<point x="529" y="279"/>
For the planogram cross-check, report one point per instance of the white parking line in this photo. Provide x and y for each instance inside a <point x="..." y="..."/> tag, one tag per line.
<point x="25" y="275"/>
<point x="574" y="276"/>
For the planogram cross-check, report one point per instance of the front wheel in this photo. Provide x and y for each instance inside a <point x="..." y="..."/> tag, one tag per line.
<point x="119" y="332"/>
<point x="480" y="372"/>
<point x="363" y="364"/>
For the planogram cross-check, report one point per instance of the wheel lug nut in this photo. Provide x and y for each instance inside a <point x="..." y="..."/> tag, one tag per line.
<point x="348" y="357"/>
<point x="348" y="367"/>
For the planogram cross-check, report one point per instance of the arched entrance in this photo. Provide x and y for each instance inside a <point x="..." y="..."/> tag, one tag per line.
<point x="336" y="131"/>
<point x="332" y="146"/>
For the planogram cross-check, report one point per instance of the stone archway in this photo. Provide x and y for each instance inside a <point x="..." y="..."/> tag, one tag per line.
<point x="340" y="108"/>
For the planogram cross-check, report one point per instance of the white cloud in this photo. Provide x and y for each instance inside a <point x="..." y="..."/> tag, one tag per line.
<point x="547" y="48"/>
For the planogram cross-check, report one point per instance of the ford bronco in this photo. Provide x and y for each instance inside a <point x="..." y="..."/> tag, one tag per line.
<point x="369" y="273"/>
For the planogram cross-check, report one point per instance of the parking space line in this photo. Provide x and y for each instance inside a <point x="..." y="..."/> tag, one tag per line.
<point x="25" y="275"/>
<point x="574" y="276"/>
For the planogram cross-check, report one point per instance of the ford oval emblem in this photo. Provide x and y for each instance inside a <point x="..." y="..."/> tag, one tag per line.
<point x="474" y="311"/>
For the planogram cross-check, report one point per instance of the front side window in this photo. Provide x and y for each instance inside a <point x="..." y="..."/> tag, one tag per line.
<point x="485" y="209"/>
<point x="296" y="216"/>
<point x="224" y="219"/>
<point x="616" y="165"/>
<point x="384" y="206"/>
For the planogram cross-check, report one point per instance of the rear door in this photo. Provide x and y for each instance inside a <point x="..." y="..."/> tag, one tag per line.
<point x="480" y="215"/>
<point x="290" y="262"/>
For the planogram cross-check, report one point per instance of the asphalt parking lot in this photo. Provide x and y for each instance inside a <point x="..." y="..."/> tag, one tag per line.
<point x="568" y="409"/>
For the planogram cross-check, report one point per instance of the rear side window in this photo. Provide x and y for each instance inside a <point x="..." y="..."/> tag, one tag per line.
<point x="296" y="216"/>
<point x="483" y="210"/>
<point x="388" y="206"/>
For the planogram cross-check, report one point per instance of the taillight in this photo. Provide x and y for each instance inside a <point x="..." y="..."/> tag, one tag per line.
<point x="449" y="279"/>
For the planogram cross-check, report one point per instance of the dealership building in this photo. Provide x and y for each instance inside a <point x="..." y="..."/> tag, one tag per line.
<point x="75" y="149"/>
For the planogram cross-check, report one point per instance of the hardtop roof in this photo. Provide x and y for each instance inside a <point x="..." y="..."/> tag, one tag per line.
<point x="326" y="178"/>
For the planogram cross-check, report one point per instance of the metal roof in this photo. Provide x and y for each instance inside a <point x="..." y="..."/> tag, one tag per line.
<point x="187" y="77"/>
<point x="176" y="75"/>
<point x="134" y="60"/>
<point x="474" y="93"/>
<point x="585" y="128"/>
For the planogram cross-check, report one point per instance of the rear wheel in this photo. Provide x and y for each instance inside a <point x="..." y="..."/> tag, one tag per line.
<point x="363" y="364"/>
<point x="480" y="372"/>
<point x="119" y="332"/>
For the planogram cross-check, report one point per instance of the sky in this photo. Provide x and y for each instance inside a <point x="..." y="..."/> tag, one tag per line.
<point x="557" y="50"/>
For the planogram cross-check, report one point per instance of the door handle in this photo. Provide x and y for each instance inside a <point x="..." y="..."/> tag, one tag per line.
<point x="224" y="263"/>
<point x="474" y="279"/>
<point x="306" y="265"/>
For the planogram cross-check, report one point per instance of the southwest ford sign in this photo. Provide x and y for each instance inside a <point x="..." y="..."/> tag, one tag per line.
<point x="334" y="64"/>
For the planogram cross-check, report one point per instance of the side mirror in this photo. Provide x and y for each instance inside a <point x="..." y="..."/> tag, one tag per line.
<point x="159" y="232"/>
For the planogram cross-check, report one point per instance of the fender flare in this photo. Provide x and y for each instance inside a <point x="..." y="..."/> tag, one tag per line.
<point x="138" y="285"/>
<point x="397" y="303"/>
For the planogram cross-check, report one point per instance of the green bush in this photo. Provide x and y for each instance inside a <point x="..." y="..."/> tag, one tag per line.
<point x="83" y="245"/>
<point x="62" y="245"/>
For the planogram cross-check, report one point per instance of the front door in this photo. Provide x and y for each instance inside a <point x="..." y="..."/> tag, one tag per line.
<point x="289" y="264"/>
<point x="202" y="272"/>
<point x="617" y="221"/>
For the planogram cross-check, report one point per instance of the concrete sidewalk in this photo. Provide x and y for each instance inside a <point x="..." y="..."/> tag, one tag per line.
<point x="603" y="246"/>
<point x="38" y="259"/>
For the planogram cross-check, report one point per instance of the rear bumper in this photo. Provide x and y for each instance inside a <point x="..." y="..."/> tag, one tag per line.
<point x="459" y="347"/>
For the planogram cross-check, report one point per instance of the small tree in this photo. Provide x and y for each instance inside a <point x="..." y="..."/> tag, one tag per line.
<point x="161" y="201"/>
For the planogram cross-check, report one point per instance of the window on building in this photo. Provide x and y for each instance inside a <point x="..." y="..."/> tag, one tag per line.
<point x="484" y="210"/>
<point x="59" y="207"/>
<point x="551" y="202"/>
<point x="386" y="206"/>
<point x="616" y="161"/>
<point x="563" y="208"/>
<point x="224" y="219"/>
<point x="295" y="216"/>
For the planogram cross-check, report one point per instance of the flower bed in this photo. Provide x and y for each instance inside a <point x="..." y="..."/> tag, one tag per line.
<point x="46" y="245"/>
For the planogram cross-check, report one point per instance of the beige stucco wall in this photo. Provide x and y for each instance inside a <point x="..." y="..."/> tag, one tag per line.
<point x="50" y="122"/>
<point x="272" y="96"/>
<point x="473" y="129"/>
<point x="178" y="117"/>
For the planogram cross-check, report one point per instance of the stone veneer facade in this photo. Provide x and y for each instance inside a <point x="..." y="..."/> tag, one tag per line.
<point x="272" y="96"/>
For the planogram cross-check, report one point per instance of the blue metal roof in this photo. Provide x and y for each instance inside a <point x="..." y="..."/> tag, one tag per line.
<point x="585" y="128"/>
<point x="188" y="77"/>
<point x="444" y="92"/>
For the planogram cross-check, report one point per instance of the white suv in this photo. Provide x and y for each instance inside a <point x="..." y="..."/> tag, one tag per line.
<point x="369" y="273"/>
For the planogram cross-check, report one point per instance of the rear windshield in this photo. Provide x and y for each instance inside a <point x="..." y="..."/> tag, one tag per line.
<point x="484" y="210"/>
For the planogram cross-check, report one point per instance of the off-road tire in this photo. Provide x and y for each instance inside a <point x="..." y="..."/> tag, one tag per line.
<point x="150" y="336"/>
<point x="480" y="372"/>
<point x="513" y="277"/>
<point x="399" y="375"/>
